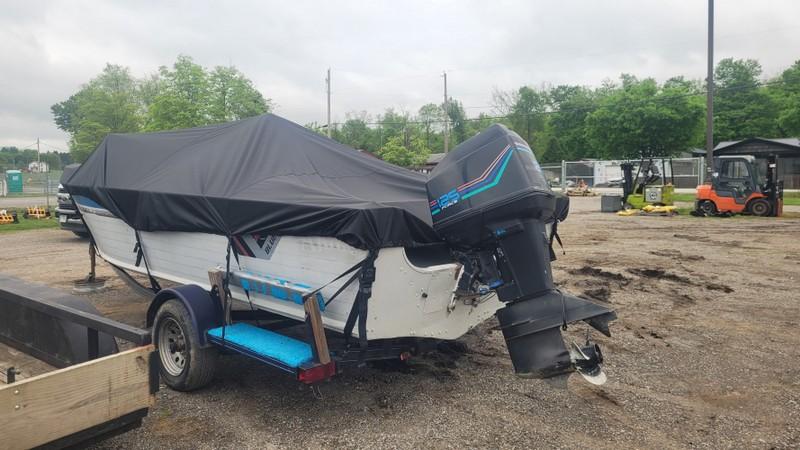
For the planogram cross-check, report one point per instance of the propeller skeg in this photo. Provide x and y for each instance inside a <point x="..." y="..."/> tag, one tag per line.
<point x="587" y="360"/>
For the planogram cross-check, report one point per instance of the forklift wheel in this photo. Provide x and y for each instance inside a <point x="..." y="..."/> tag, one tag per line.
<point x="708" y="208"/>
<point x="759" y="207"/>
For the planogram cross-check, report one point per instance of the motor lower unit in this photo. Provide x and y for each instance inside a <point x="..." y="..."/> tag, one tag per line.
<point x="490" y="201"/>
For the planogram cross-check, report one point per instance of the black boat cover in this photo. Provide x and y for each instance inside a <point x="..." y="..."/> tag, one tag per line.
<point x="263" y="174"/>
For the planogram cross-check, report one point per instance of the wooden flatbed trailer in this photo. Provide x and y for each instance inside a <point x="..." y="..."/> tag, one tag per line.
<point x="95" y="391"/>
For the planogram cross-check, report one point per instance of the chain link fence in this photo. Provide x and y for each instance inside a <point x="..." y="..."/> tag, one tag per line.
<point x="37" y="189"/>
<point x="684" y="173"/>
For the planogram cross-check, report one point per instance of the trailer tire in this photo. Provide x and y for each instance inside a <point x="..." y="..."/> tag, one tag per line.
<point x="185" y="364"/>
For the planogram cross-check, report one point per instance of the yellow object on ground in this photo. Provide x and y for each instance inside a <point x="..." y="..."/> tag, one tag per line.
<point x="648" y="210"/>
<point x="651" y="209"/>
<point x="36" y="212"/>
<point x="6" y="218"/>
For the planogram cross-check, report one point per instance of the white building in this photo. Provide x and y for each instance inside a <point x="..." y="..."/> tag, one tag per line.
<point x="38" y="167"/>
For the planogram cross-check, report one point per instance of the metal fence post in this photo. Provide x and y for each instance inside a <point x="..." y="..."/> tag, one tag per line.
<point x="47" y="188"/>
<point x="563" y="176"/>
<point x="701" y="170"/>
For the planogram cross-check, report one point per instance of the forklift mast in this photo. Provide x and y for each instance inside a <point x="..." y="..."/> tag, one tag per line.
<point x="627" y="180"/>
<point x="773" y="187"/>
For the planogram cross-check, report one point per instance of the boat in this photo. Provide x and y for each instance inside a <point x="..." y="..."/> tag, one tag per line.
<point x="297" y="223"/>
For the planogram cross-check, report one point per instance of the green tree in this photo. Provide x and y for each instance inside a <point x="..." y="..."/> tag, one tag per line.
<point x="742" y="108"/>
<point x="642" y="119"/>
<point x="786" y="94"/>
<point x="182" y="101"/>
<point x="393" y="151"/>
<point x="458" y="122"/>
<point x="232" y="96"/>
<point x="567" y="123"/>
<point x="525" y="110"/>
<point x="107" y="104"/>
<point x="431" y="118"/>
<point x="186" y="95"/>
<point x="355" y="132"/>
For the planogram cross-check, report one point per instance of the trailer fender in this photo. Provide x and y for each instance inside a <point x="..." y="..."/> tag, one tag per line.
<point x="205" y="312"/>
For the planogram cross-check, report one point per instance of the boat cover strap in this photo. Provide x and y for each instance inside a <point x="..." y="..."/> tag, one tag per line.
<point x="355" y="269"/>
<point x="554" y="235"/>
<point x="140" y="256"/>
<point x="359" y="310"/>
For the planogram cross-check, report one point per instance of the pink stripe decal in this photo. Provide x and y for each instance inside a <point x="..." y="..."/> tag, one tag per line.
<point x="486" y="172"/>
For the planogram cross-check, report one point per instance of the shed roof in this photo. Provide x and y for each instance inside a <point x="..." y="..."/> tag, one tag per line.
<point x="786" y="142"/>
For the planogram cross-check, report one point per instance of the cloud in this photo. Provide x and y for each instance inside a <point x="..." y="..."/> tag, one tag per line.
<point x="381" y="53"/>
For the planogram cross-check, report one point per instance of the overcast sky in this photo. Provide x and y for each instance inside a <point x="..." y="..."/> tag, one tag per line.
<point x="381" y="53"/>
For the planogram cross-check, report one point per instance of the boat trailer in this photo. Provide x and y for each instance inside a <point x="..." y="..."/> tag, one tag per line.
<point x="96" y="391"/>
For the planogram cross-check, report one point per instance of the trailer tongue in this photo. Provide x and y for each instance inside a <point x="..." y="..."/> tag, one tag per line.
<point x="490" y="201"/>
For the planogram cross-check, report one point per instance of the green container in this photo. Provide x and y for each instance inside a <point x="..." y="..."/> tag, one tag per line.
<point x="14" y="181"/>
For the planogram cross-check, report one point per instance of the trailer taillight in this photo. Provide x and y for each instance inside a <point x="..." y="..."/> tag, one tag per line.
<point x="316" y="373"/>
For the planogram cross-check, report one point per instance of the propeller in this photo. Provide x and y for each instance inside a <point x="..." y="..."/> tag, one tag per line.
<point x="587" y="361"/>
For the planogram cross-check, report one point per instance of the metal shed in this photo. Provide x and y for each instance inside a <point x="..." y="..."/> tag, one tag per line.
<point x="787" y="149"/>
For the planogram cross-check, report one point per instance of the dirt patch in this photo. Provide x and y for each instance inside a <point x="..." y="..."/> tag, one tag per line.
<point x="661" y="274"/>
<point x="602" y="293"/>
<point x="677" y="254"/>
<point x="683" y="300"/>
<point x="692" y="237"/>
<point x="718" y="287"/>
<point x="600" y="273"/>
<point x="684" y="372"/>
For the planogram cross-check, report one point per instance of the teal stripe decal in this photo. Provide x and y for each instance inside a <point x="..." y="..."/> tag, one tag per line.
<point x="493" y="183"/>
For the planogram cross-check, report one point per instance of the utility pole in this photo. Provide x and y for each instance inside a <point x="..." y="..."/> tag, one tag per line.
<point x="446" y="116"/>
<point x="710" y="95"/>
<point x="38" y="155"/>
<point x="328" y="86"/>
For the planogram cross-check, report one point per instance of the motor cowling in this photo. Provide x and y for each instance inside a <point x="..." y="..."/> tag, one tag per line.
<point x="490" y="201"/>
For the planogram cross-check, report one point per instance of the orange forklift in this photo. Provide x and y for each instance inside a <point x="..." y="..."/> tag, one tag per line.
<point x="737" y="188"/>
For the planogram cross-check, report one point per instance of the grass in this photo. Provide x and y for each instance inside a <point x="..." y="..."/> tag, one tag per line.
<point x="29" y="224"/>
<point x="789" y="198"/>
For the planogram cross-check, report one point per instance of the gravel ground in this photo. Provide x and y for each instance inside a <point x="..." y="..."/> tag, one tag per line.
<point x="704" y="355"/>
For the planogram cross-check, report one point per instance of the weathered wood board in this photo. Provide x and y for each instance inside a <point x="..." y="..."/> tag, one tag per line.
<point x="47" y="407"/>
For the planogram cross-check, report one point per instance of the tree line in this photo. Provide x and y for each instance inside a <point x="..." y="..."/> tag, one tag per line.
<point x="182" y="96"/>
<point x="16" y="158"/>
<point x="620" y="119"/>
<point x="624" y="119"/>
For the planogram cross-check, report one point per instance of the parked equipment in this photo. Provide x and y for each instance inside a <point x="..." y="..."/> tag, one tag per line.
<point x="648" y="186"/>
<point x="317" y="258"/>
<point x="69" y="218"/>
<point x="737" y="188"/>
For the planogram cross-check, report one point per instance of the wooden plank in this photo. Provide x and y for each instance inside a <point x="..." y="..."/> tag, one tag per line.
<point x="320" y="341"/>
<point x="47" y="407"/>
<point x="216" y="278"/>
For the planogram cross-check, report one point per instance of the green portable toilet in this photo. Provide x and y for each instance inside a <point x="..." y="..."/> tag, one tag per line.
<point x="14" y="181"/>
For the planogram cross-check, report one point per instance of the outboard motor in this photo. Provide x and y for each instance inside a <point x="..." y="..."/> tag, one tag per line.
<point x="490" y="201"/>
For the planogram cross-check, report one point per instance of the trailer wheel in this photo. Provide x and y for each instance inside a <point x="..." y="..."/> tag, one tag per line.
<point x="185" y="365"/>
<point x="759" y="207"/>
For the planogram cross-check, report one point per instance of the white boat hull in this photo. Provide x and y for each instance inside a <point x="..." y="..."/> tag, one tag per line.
<point x="407" y="301"/>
